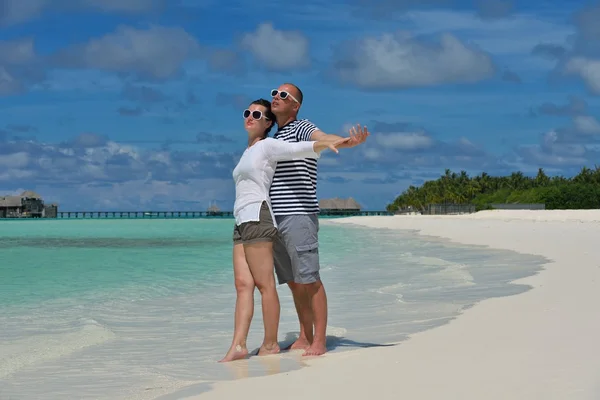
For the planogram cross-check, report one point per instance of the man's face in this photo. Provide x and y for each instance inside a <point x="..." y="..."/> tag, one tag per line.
<point x="285" y="100"/>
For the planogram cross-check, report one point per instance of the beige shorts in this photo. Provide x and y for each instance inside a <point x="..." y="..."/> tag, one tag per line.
<point x="262" y="230"/>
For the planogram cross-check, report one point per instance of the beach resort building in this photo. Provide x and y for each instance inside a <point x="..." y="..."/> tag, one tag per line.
<point x="27" y="205"/>
<point x="339" y="206"/>
<point x="213" y="210"/>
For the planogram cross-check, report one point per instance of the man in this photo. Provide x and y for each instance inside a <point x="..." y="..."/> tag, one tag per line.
<point x="295" y="206"/>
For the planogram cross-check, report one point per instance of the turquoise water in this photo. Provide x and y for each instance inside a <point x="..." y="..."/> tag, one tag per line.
<point x="117" y="309"/>
<point x="53" y="259"/>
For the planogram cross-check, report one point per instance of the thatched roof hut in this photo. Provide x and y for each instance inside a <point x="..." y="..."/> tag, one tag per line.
<point x="213" y="208"/>
<point x="17" y="201"/>
<point x="29" y="194"/>
<point x="339" y="204"/>
<point x="10" y="201"/>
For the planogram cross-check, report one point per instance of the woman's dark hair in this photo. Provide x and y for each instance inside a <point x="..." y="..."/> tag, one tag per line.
<point x="268" y="114"/>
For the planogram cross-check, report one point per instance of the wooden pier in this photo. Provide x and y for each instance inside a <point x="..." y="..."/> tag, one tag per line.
<point x="144" y="214"/>
<point x="189" y="214"/>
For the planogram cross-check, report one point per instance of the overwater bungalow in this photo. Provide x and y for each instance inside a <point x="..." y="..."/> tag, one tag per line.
<point x="26" y="205"/>
<point x="339" y="206"/>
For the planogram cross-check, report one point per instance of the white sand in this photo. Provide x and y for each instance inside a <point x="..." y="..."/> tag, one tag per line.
<point x="542" y="344"/>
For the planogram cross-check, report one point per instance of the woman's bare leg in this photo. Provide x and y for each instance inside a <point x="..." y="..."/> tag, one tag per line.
<point x="260" y="261"/>
<point x="244" y="305"/>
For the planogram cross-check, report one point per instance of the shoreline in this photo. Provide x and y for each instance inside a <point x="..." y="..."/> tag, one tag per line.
<point x="540" y="344"/>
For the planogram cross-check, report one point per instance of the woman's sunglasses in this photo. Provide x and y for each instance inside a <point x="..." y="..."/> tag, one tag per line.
<point x="256" y="114"/>
<point x="283" y="95"/>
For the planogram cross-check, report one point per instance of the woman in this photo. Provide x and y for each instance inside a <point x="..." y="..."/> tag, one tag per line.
<point x="255" y="225"/>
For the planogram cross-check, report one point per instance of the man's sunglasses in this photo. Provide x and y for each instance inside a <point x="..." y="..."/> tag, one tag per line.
<point x="256" y="114"/>
<point x="283" y="95"/>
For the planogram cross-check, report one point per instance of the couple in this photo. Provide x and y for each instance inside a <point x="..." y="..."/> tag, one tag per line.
<point x="276" y="212"/>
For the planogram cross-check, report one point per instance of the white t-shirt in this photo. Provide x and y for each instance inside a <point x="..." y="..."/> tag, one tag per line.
<point x="254" y="173"/>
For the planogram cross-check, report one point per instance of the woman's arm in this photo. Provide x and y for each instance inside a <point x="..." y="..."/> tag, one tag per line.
<point x="278" y="150"/>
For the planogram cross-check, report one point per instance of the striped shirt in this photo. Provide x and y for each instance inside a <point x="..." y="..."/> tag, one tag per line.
<point x="294" y="187"/>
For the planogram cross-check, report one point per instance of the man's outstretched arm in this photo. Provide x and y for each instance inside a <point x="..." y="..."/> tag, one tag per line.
<point x="320" y="135"/>
<point x="357" y="136"/>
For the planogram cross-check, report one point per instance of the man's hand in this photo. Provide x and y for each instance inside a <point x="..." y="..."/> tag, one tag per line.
<point x="339" y="144"/>
<point x="358" y="135"/>
<point x="331" y="144"/>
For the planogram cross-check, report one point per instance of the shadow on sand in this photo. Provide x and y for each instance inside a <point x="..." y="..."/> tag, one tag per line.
<point x="332" y="343"/>
<point x="254" y="366"/>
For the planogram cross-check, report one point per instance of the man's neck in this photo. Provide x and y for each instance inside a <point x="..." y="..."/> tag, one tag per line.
<point x="285" y="120"/>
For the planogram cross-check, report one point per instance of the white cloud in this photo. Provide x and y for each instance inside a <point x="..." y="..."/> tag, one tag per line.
<point x="8" y="83"/>
<point x="17" y="52"/>
<point x="82" y="161"/>
<point x="15" y="160"/>
<point x="120" y="5"/>
<point x="553" y="146"/>
<point x="494" y="9"/>
<point x="515" y="35"/>
<point x="372" y="154"/>
<point x="405" y="140"/>
<point x="587" y="124"/>
<point x="99" y="173"/>
<point x="16" y="59"/>
<point x="195" y="194"/>
<point x="277" y="50"/>
<point x="156" y="52"/>
<point x="587" y="69"/>
<point x="586" y="20"/>
<point x="12" y="174"/>
<point x="399" y="61"/>
<point x="557" y="149"/>
<point x="534" y="155"/>
<point x="19" y="11"/>
<point x="399" y="146"/>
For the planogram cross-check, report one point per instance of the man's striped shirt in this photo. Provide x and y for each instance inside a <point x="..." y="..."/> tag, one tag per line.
<point x="294" y="187"/>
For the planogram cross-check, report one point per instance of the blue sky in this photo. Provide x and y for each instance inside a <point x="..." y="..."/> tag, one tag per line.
<point x="136" y="104"/>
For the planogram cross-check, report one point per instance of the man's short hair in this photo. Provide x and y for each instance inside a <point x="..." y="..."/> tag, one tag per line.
<point x="300" y="96"/>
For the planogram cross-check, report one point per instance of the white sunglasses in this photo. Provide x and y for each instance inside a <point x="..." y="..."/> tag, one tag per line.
<point x="283" y="95"/>
<point x="256" y="114"/>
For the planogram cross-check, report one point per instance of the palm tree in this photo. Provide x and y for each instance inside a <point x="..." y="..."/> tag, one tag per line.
<point x="556" y="191"/>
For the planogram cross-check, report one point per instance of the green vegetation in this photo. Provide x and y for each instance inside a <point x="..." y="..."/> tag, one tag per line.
<point x="579" y="192"/>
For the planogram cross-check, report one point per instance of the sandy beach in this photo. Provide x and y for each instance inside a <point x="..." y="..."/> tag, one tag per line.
<point x="542" y="344"/>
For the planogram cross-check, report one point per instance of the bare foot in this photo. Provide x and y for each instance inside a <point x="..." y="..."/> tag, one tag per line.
<point x="315" y="349"/>
<point x="235" y="353"/>
<point x="300" y="344"/>
<point x="265" y="350"/>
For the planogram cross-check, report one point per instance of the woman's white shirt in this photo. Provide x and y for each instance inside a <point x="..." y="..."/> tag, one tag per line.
<point x="254" y="172"/>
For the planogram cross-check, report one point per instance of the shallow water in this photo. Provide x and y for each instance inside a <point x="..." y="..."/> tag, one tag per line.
<point x="115" y="309"/>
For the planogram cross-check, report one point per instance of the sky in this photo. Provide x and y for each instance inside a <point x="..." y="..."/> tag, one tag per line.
<point x="137" y="104"/>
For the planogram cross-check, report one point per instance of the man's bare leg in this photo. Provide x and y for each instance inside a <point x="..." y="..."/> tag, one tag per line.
<point x="318" y="305"/>
<point x="305" y="316"/>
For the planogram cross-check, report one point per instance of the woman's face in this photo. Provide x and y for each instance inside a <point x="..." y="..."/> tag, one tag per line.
<point x="254" y="120"/>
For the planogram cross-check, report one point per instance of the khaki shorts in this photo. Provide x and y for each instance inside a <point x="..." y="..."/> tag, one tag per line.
<point x="262" y="230"/>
